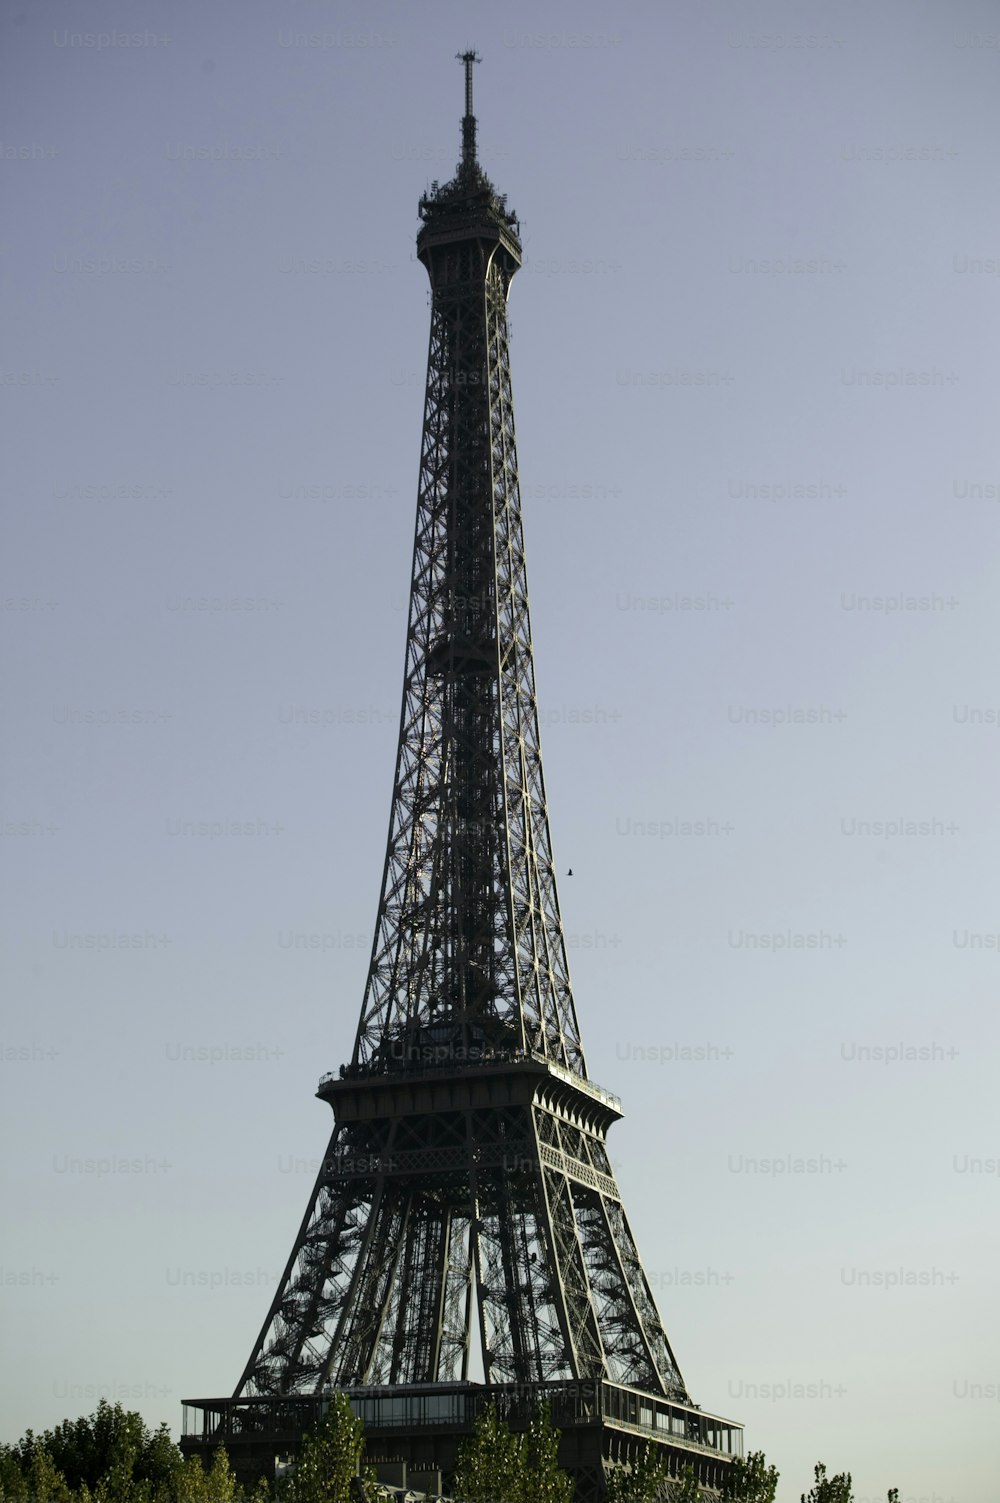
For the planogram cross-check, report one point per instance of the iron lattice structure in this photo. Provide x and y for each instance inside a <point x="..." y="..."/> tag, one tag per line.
<point x="466" y="1202"/>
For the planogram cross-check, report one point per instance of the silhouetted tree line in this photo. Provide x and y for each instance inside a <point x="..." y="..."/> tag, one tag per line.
<point x="113" y="1457"/>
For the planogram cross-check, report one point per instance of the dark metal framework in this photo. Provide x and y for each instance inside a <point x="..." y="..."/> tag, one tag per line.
<point x="466" y="1198"/>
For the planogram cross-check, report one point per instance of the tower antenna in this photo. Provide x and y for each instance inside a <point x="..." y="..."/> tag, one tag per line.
<point x="469" y="120"/>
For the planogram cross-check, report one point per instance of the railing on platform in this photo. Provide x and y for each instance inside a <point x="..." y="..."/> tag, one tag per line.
<point x="424" y="1065"/>
<point x="457" y="1406"/>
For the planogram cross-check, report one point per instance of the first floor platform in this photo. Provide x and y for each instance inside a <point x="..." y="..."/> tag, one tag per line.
<point x="420" y="1427"/>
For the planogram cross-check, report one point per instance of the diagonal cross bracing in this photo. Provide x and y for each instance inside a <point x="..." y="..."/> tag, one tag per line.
<point x="466" y="1215"/>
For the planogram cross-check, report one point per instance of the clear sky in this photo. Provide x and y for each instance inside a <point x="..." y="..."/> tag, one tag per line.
<point x="754" y="349"/>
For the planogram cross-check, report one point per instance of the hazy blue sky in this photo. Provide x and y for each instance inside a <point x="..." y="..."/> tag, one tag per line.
<point x="754" y="349"/>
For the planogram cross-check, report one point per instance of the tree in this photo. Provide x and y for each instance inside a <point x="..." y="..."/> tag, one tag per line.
<point x="113" y="1445"/>
<point x="643" y="1482"/>
<point x="829" y="1489"/>
<point x="544" y="1480"/>
<point x="194" y="1484"/>
<point x="331" y="1460"/>
<point x="750" y="1480"/>
<point x="111" y="1457"/>
<point x="46" y="1481"/>
<point x="14" y="1487"/>
<point x="687" y="1490"/>
<point x="496" y="1466"/>
<point x="490" y="1464"/>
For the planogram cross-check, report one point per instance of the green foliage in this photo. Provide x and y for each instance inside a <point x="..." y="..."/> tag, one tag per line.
<point x="330" y="1460"/>
<point x="489" y="1464"/>
<point x="750" y="1480"/>
<point x="262" y="1493"/>
<point x="192" y="1483"/>
<point x="111" y="1457"/>
<point x="112" y="1446"/>
<point x="829" y="1489"/>
<point x="46" y="1481"/>
<point x="687" y="1489"/>
<point x="643" y="1483"/>
<point x="14" y="1486"/>
<point x="496" y="1466"/>
<point x="544" y="1480"/>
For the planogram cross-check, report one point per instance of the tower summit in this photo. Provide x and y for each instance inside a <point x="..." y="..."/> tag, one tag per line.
<point x="465" y="1241"/>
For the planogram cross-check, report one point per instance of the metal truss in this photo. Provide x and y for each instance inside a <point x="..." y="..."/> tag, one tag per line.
<point x="509" y="1216"/>
<point x="466" y="1199"/>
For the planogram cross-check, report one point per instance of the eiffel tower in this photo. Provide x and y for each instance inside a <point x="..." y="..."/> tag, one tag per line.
<point x="466" y="1241"/>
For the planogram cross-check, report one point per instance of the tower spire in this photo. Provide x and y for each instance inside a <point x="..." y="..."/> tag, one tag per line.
<point x="469" y="120"/>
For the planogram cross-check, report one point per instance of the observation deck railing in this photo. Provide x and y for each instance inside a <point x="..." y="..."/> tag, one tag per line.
<point x="456" y="1405"/>
<point x="423" y="1067"/>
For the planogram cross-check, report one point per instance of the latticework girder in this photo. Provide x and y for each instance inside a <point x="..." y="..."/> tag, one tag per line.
<point x="466" y="1214"/>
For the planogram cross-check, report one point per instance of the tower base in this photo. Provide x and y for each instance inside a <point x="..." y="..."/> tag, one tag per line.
<point x="602" y="1425"/>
